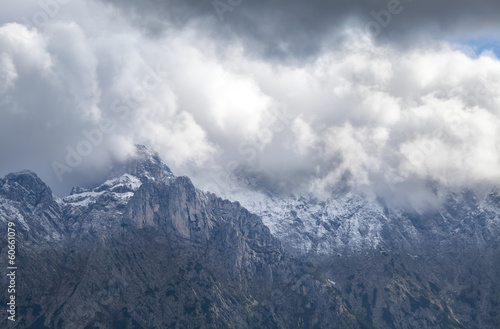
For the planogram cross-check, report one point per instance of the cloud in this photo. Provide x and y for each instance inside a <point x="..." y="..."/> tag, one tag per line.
<point x="71" y="94"/>
<point x="370" y="114"/>
<point x="297" y="30"/>
<point x="327" y="104"/>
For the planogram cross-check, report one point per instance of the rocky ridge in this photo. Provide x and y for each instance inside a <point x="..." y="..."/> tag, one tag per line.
<point x="146" y="249"/>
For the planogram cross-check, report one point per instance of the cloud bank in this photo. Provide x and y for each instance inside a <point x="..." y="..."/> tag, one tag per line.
<point x="263" y="98"/>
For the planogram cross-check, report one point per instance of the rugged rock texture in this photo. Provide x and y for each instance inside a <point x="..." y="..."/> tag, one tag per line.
<point x="147" y="249"/>
<point x="436" y="267"/>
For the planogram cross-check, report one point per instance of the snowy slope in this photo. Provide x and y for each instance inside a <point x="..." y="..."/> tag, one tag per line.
<point x="357" y="222"/>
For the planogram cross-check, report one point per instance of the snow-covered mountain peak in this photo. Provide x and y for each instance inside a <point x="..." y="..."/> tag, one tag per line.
<point x="145" y="165"/>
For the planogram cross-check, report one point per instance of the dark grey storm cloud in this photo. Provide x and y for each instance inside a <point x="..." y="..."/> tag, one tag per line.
<point x="291" y="29"/>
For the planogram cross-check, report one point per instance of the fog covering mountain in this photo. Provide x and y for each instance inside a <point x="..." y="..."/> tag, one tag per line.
<point x="146" y="249"/>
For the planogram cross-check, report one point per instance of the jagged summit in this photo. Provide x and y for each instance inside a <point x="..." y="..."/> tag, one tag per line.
<point x="124" y="179"/>
<point x="24" y="178"/>
<point x="145" y="165"/>
<point x="25" y="186"/>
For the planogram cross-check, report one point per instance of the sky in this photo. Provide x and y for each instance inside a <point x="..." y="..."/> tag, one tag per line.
<point x="282" y="96"/>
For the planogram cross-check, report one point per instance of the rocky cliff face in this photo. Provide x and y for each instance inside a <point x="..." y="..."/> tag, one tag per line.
<point x="147" y="249"/>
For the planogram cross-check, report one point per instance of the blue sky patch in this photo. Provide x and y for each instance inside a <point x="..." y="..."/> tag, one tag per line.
<point x="481" y="44"/>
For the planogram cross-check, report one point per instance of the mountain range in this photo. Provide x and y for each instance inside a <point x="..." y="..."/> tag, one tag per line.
<point x="147" y="249"/>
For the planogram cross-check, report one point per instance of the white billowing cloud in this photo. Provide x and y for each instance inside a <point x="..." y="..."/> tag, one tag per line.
<point x="8" y="73"/>
<point x="58" y="89"/>
<point x="359" y="149"/>
<point x="305" y="137"/>
<point x="452" y="143"/>
<point x="359" y="111"/>
<point x="23" y="52"/>
<point x="75" y="64"/>
<point x="425" y="112"/>
<point x="225" y="101"/>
